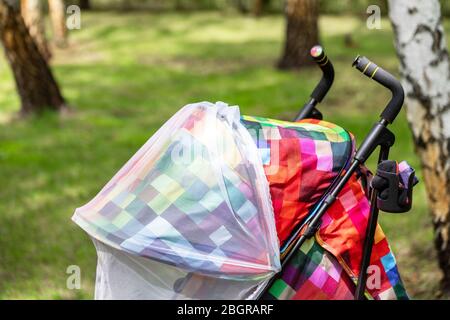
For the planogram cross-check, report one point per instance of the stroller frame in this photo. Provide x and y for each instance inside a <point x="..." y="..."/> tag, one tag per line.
<point x="378" y="136"/>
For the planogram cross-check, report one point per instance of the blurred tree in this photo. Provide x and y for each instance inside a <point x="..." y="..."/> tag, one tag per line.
<point x="32" y="14"/>
<point x="241" y="5"/>
<point x="302" y="33"/>
<point x="425" y="68"/>
<point x="57" y="15"/>
<point x="35" y="83"/>
<point x="85" y="4"/>
<point x="258" y="7"/>
<point x="179" y="5"/>
<point x="126" y="5"/>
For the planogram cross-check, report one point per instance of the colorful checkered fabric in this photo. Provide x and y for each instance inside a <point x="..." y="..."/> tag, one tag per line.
<point x="293" y="173"/>
<point x="312" y="274"/>
<point x="300" y="160"/>
<point x="183" y="201"/>
<point x="342" y="233"/>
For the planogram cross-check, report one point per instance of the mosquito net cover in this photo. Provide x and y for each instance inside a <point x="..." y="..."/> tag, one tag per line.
<point x="189" y="216"/>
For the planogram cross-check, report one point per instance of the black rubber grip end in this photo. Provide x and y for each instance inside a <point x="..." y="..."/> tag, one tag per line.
<point x="319" y="56"/>
<point x="371" y="70"/>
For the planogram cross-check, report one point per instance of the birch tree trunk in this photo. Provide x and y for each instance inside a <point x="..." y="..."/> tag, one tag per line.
<point x="302" y="33"/>
<point x="422" y="49"/>
<point x="32" y="15"/>
<point x="58" y="18"/>
<point x="35" y="83"/>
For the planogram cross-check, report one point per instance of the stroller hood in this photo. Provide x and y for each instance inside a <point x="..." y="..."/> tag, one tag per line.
<point x="194" y="196"/>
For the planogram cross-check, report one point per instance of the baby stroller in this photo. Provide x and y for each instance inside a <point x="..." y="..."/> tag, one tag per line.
<point x="222" y="206"/>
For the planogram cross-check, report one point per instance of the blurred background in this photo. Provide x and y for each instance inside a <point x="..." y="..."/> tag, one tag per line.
<point x="126" y="70"/>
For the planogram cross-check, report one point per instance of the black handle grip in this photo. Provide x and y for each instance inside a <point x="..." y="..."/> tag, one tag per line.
<point x="319" y="56"/>
<point x="387" y="80"/>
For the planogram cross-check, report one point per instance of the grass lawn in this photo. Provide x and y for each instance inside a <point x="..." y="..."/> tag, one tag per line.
<point x="125" y="75"/>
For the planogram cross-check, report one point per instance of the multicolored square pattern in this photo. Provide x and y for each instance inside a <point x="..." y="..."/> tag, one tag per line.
<point x="342" y="233"/>
<point x="312" y="274"/>
<point x="201" y="211"/>
<point x="301" y="161"/>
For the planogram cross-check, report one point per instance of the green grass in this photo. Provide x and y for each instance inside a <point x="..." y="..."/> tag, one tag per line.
<point x="125" y="75"/>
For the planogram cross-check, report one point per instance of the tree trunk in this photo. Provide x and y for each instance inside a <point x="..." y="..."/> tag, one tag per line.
<point x="32" y="15"/>
<point x="179" y="5"/>
<point x="36" y="86"/>
<point x="126" y="5"/>
<point x="257" y="7"/>
<point x="57" y="15"/>
<point x="85" y="5"/>
<point x="425" y="69"/>
<point x="241" y="6"/>
<point x="302" y="33"/>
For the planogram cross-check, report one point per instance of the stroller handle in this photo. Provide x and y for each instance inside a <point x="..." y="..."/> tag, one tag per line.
<point x="387" y="80"/>
<point x="319" y="56"/>
<point x="378" y="136"/>
<point x="309" y="110"/>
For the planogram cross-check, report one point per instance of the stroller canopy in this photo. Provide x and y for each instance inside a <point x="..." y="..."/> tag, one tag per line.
<point x="301" y="160"/>
<point x="194" y="196"/>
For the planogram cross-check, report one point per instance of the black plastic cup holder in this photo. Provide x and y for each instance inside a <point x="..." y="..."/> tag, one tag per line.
<point x="394" y="188"/>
